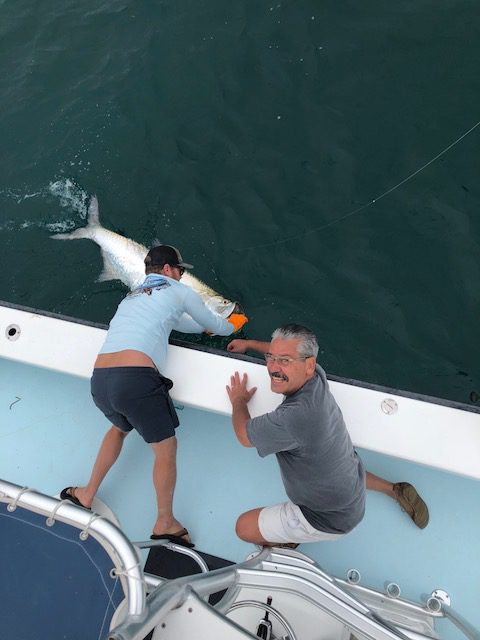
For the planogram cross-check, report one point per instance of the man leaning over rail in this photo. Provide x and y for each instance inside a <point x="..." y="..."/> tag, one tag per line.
<point x="323" y="476"/>
<point x="128" y="386"/>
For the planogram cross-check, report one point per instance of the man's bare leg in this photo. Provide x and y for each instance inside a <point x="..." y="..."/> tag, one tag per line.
<point x="107" y="455"/>
<point x="164" y="480"/>
<point x="247" y="528"/>
<point x="404" y="494"/>
<point x="375" y="483"/>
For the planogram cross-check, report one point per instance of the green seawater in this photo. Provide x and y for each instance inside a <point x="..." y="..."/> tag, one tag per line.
<point x="246" y="133"/>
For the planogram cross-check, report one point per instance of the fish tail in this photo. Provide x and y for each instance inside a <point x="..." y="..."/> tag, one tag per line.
<point x="93" y="220"/>
<point x="93" y="216"/>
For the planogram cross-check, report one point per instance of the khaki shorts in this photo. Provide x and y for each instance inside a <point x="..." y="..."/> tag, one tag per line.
<point x="285" y="522"/>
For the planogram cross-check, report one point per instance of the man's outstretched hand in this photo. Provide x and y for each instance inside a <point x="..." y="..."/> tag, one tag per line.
<point x="237" y="391"/>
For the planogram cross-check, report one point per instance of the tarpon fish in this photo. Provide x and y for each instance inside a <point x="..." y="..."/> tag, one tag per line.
<point x="123" y="259"/>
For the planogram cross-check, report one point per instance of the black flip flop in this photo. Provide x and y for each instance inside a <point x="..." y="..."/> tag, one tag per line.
<point x="178" y="538"/>
<point x="65" y="495"/>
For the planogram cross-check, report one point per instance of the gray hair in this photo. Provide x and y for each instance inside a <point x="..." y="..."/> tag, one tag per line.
<point x="308" y="346"/>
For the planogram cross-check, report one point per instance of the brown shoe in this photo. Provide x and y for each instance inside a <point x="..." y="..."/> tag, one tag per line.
<point x="411" y="502"/>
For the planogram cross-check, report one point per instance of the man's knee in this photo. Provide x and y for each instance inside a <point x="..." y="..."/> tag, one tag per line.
<point x="118" y="433"/>
<point x="247" y="528"/>
<point x="241" y="528"/>
<point x="165" y="447"/>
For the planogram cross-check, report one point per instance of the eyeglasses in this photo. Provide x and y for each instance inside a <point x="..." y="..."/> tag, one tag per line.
<point x="283" y="361"/>
<point x="181" y="269"/>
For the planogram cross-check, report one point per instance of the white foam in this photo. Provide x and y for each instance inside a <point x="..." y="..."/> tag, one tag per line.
<point x="60" y="227"/>
<point x="19" y="196"/>
<point x="70" y="195"/>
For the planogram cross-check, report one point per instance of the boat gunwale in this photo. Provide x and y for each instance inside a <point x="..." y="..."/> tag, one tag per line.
<point x="444" y="402"/>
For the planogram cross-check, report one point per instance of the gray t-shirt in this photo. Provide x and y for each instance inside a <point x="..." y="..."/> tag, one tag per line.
<point x="321" y="471"/>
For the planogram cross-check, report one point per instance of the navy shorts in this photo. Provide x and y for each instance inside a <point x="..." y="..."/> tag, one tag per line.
<point x="136" y="398"/>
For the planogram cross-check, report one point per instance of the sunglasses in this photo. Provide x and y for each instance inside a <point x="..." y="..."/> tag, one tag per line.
<point x="181" y="269"/>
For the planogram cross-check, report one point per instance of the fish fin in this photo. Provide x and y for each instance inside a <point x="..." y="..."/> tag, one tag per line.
<point x="109" y="272"/>
<point x="83" y="232"/>
<point x="93" y="216"/>
<point x="93" y="220"/>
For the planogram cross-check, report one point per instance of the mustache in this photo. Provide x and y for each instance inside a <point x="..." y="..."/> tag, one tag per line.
<point x="279" y="376"/>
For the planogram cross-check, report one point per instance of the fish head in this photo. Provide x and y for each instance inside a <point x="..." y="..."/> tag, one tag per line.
<point x="221" y="306"/>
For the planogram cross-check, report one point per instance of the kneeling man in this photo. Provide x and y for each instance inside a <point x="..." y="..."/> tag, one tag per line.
<point x="323" y="477"/>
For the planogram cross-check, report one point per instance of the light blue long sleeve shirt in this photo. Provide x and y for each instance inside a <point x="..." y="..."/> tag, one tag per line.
<point x="146" y="317"/>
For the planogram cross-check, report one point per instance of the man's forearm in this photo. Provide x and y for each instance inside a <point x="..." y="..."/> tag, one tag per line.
<point x="257" y="345"/>
<point x="240" y="417"/>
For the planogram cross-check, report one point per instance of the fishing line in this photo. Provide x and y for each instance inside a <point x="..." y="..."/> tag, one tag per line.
<point x="364" y="206"/>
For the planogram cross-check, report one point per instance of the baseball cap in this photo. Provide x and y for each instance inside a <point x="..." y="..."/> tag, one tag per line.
<point x="165" y="254"/>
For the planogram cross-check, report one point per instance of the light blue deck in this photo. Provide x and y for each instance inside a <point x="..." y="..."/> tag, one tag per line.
<point x="48" y="440"/>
